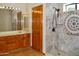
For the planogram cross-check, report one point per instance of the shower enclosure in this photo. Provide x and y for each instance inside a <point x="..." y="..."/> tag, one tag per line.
<point x="65" y="39"/>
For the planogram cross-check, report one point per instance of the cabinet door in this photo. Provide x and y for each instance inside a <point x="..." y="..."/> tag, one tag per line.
<point x="12" y="43"/>
<point x="3" y="46"/>
<point x="26" y="40"/>
<point x="12" y="46"/>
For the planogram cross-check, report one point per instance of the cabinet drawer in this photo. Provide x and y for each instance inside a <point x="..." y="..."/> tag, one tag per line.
<point x="26" y="36"/>
<point x="12" y="46"/>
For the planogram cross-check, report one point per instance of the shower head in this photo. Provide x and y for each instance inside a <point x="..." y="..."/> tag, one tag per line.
<point x="56" y="9"/>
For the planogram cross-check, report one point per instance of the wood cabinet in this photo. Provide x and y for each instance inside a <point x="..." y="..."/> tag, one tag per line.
<point x="37" y="28"/>
<point x="8" y="43"/>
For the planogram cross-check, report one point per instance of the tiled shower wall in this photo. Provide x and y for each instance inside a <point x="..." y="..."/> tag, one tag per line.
<point x="51" y="36"/>
<point x="58" y="42"/>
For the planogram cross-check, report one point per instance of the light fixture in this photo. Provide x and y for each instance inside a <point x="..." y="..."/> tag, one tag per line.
<point x="2" y="7"/>
<point x="11" y="8"/>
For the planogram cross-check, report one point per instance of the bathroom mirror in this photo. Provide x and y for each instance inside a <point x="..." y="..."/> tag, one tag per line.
<point x="10" y="19"/>
<point x="25" y="21"/>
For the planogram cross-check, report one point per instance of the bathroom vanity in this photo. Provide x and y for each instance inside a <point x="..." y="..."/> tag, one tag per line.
<point x="13" y="31"/>
<point x="12" y="42"/>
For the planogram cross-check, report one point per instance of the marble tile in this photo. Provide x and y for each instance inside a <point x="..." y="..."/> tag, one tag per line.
<point x="59" y="42"/>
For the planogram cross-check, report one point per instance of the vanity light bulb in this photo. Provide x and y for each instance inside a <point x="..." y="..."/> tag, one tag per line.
<point x="15" y="8"/>
<point x="3" y="7"/>
<point x="9" y="7"/>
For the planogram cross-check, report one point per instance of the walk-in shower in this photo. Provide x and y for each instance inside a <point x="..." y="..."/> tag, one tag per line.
<point x="65" y="39"/>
